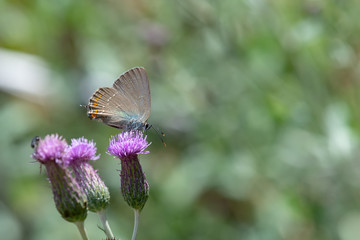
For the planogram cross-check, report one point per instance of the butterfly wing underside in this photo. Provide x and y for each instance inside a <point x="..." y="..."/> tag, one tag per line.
<point x="134" y="90"/>
<point x="128" y="100"/>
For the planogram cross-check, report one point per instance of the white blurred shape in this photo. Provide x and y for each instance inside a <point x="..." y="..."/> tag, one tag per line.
<point x="23" y="75"/>
<point x="342" y="54"/>
<point x="340" y="139"/>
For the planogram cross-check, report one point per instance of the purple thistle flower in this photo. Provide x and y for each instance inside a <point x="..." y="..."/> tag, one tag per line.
<point x="128" y="144"/>
<point x="51" y="148"/>
<point x="69" y="199"/>
<point x="77" y="157"/>
<point x="81" y="150"/>
<point x="134" y="187"/>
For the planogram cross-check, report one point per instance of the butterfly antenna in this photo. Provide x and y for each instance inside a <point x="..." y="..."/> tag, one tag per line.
<point x="161" y="135"/>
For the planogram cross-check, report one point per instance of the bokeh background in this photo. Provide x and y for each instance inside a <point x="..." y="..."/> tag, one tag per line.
<point x="259" y="101"/>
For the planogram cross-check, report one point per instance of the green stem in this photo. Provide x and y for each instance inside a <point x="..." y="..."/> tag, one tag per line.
<point x="105" y="224"/>
<point x="136" y="223"/>
<point x="81" y="227"/>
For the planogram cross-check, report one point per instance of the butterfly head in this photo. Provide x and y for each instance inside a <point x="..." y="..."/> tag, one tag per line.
<point x="135" y="125"/>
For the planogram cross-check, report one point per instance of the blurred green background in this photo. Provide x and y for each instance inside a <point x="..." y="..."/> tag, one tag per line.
<point x="259" y="101"/>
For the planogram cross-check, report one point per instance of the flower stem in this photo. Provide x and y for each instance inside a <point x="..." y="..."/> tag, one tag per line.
<point x="80" y="226"/>
<point x="105" y="224"/>
<point x="136" y="223"/>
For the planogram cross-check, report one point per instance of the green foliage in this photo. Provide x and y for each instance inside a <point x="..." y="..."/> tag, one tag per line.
<point x="259" y="101"/>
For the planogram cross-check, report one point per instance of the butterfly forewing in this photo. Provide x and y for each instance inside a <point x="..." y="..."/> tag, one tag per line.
<point x="134" y="87"/>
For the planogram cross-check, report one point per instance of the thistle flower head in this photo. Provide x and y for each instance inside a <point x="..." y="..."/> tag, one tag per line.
<point x="128" y="144"/>
<point x="77" y="157"/>
<point x="134" y="187"/>
<point x="51" y="148"/>
<point x="81" y="150"/>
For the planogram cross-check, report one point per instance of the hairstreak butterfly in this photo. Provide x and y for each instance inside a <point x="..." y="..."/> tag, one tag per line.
<point x="126" y="105"/>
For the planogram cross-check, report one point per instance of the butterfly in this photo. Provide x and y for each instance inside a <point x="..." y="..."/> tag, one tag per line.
<point x="125" y="105"/>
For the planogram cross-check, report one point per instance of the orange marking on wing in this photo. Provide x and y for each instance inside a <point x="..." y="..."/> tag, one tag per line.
<point x="96" y="111"/>
<point x="93" y="115"/>
<point x="97" y="99"/>
<point x="95" y="104"/>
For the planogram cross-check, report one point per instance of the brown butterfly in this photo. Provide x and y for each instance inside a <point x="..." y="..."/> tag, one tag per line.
<point x="126" y="105"/>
